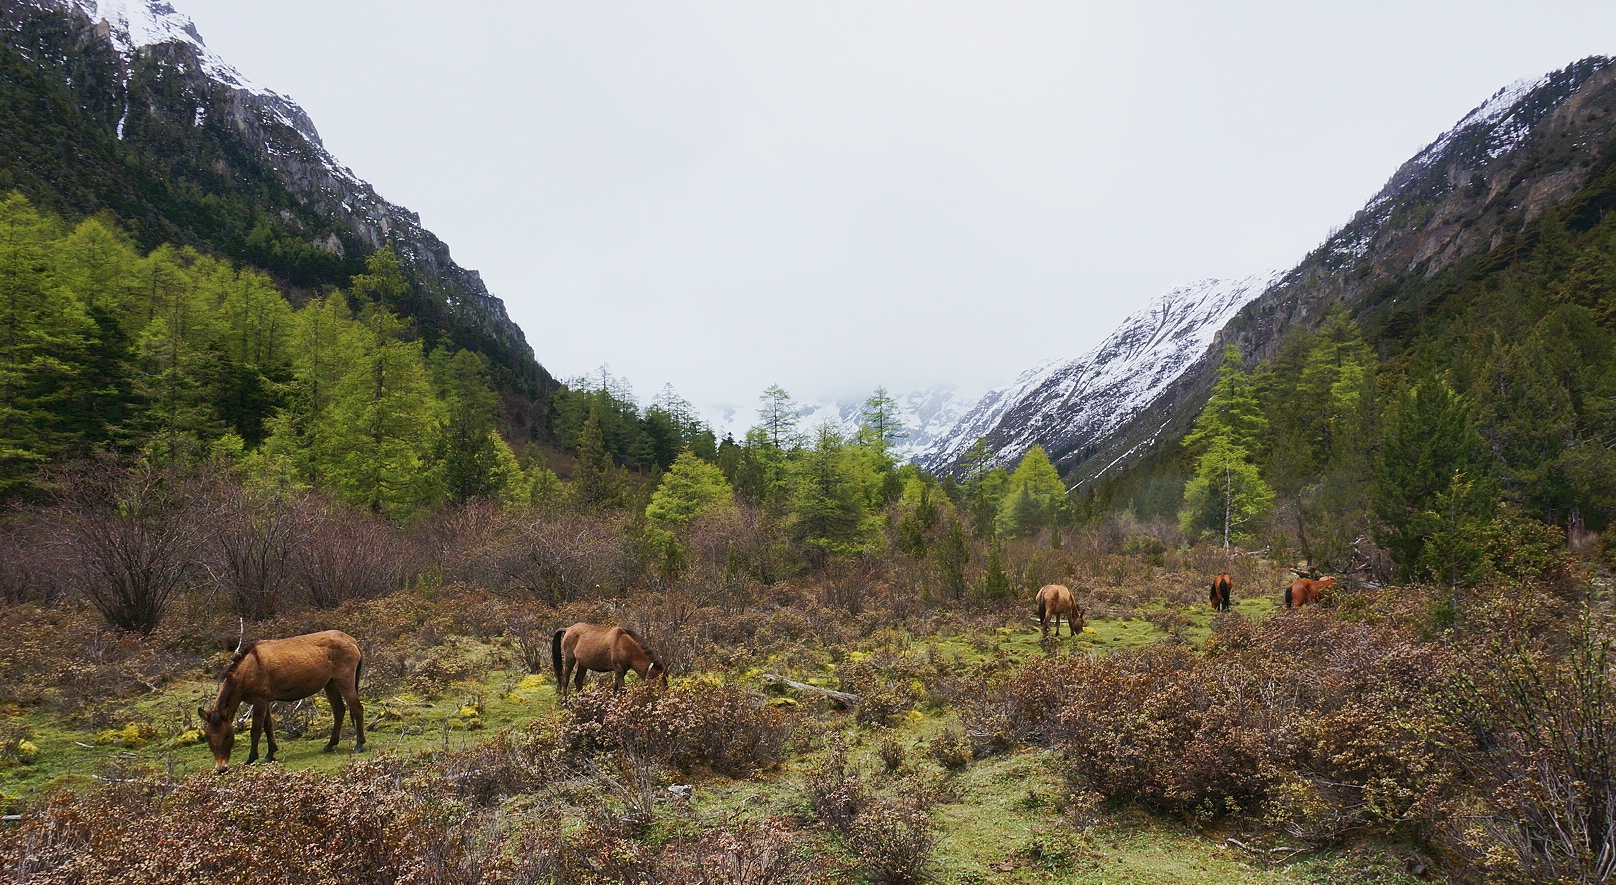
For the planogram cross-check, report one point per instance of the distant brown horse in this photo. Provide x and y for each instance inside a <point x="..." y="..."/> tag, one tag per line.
<point x="284" y="670"/>
<point x="1304" y="591"/>
<point x="1222" y="586"/>
<point x="1055" y="600"/>
<point x="584" y="647"/>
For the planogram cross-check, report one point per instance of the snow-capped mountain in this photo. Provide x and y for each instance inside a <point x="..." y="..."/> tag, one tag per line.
<point x="1078" y="404"/>
<point x="182" y="147"/>
<point x="1534" y="144"/>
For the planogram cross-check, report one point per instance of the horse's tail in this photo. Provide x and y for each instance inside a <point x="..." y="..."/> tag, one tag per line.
<point x="555" y="653"/>
<point x="1041" y="608"/>
<point x="358" y="668"/>
<point x="1287" y="597"/>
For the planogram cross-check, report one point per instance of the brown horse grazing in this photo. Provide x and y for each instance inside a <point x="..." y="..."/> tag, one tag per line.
<point x="584" y="647"/>
<point x="284" y="670"/>
<point x="1222" y="585"/>
<point x="1055" y="600"/>
<point x="1304" y="591"/>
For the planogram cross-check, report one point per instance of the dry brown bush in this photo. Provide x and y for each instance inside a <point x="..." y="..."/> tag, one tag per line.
<point x="344" y="554"/>
<point x="33" y="566"/>
<point x="249" y="546"/>
<point x="130" y="536"/>
<point x="729" y="730"/>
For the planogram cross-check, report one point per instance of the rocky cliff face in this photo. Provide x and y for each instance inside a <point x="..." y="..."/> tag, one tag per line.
<point x="183" y="148"/>
<point x="1532" y="145"/>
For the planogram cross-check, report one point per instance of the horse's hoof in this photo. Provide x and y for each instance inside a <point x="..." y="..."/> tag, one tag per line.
<point x="329" y="747"/>
<point x="359" y="748"/>
<point x="251" y="760"/>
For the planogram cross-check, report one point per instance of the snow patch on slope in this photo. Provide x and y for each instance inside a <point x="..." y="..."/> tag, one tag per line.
<point x="924" y="416"/>
<point x="1083" y="401"/>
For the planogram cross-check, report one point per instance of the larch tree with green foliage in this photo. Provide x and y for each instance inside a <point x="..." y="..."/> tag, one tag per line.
<point x="1033" y="498"/>
<point x="984" y="488"/>
<point x="691" y="487"/>
<point x="831" y="513"/>
<point x="43" y="333"/>
<point x="1226" y="491"/>
<point x="777" y="418"/>
<point x="477" y="462"/>
<point x="376" y="440"/>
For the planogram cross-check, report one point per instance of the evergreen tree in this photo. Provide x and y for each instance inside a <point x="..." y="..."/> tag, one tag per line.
<point x="831" y="514"/>
<point x="476" y="461"/>
<point x="691" y="487"/>
<point x="376" y="439"/>
<point x="1226" y="491"/>
<point x="43" y="335"/>
<point x="1431" y="477"/>
<point x="596" y="481"/>
<point x="777" y="418"/>
<point x="1033" y="498"/>
<point x="1225" y="494"/>
<point x="878" y="421"/>
<point x="952" y="555"/>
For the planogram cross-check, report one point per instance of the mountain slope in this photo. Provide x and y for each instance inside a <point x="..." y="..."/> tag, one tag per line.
<point x="118" y="106"/>
<point x="1076" y="405"/>
<point x="1540" y="143"/>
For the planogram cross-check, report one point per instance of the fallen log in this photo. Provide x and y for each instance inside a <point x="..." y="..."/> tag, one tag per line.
<point x="840" y="698"/>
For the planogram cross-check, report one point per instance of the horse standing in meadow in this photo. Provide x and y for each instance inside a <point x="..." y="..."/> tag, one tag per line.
<point x="285" y="670"/>
<point x="1055" y="600"/>
<point x="1222" y="586"/>
<point x="584" y="647"/>
<point x="1304" y="591"/>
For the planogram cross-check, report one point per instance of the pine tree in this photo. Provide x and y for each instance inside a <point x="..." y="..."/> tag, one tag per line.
<point x="1225" y="494"/>
<point x="777" y="417"/>
<point x="878" y="421"/>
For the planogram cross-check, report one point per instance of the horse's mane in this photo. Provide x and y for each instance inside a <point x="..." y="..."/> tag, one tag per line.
<point x="239" y="656"/>
<point x="644" y="646"/>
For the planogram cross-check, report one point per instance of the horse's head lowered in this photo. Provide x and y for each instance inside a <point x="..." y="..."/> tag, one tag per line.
<point x="220" y="730"/>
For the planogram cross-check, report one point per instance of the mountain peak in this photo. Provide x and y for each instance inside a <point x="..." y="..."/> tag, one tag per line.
<point x="1072" y="405"/>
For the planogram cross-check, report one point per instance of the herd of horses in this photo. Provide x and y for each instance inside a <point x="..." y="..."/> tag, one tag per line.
<point x="300" y="667"/>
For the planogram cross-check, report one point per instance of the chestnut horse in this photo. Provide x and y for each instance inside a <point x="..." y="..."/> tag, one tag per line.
<point x="284" y="670"/>
<point x="1055" y="600"/>
<point x="1304" y="591"/>
<point x="1222" y="585"/>
<point x="584" y="647"/>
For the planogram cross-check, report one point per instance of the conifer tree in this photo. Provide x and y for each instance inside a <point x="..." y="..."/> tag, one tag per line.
<point x="476" y="461"/>
<point x="1226" y="491"/>
<point x="777" y="418"/>
<point x="691" y="487"/>
<point x="596" y="481"/>
<point x="1033" y="498"/>
<point x="43" y="333"/>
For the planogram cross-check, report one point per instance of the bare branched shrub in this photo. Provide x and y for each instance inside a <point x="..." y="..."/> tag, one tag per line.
<point x="131" y="535"/>
<point x="1543" y="751"/>
<point x="250" y="544"/>
<point x="723" y="727"/>
<point x="892" y="840"/>
<point x="740" y="853"/>
<point x="834" y="791"/>
<point x="32" y="565"/>
<point x="563" y="558"/>
<point x="344" y="554"/>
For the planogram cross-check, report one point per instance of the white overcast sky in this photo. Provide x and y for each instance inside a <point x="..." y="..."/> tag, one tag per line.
<point x="833" y="195"/>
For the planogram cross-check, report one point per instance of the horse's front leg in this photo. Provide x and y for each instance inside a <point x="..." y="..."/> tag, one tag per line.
<point x="617" y="681"/>
<point x="269" y="733"/>
<point x="258" y="713"/>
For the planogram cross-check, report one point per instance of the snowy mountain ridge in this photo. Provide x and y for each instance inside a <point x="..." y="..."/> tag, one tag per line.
<point x="1079" y="403"/>
<point x="924" y="416"/>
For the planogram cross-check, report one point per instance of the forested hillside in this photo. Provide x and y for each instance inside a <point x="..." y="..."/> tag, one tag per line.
<point x="173" y="146"/>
